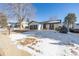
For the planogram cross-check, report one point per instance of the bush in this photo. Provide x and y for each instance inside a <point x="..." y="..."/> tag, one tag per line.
<point x="63" y="30"/>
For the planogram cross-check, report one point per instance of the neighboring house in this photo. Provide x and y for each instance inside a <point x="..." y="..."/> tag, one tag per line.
<point x="76" y="26"/>
<point x="12" y="24"/>
<point x="24" y="25"/>
<point x="15" y="26"/>
<point x="46" y="25"/>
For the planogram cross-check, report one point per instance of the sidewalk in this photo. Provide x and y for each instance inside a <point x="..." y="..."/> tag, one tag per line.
<point x="9" y="49"/>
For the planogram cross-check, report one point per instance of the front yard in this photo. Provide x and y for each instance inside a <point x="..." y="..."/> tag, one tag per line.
<point x="50" y="43"/>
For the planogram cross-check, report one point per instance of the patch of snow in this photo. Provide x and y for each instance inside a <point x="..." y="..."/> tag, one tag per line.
<point x="64" y="38"/>
<point x="15" y="37"/>
<point x="1" y="29"/>
<point x="51" y="43"/>
<point x="44" y="48"/>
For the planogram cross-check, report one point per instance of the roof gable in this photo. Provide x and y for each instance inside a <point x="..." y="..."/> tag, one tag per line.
<point x="33" y="23"/>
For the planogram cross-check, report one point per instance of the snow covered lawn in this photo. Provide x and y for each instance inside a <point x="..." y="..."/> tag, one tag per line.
<point x="1" y="29"/>
<point x="51" y="43"/>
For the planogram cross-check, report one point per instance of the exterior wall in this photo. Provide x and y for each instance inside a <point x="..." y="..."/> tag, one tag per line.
<point x="44" y="26"/>
<point x="56" y="25"/>
<point x="33" y="27"/>
<point x="47" y="26"/>
<point x="33" y="24"/>
<point x="23" y="25"/>
<point x="76" y="26"/>
<point x="39" y="26"/>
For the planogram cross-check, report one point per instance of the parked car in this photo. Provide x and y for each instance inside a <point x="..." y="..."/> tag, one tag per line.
<point x="74" y="30"/>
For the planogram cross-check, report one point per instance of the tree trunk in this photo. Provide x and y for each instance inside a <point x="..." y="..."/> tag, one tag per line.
<point x="67" y="26"/>
<point x="73" y="26"/>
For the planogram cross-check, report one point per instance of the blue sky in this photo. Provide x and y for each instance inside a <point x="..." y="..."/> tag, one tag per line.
<point x="46" y="10"/>
<point x="59" y="10"/>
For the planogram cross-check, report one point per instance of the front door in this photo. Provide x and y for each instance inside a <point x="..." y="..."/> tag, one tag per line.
<point x="44" y="27"/>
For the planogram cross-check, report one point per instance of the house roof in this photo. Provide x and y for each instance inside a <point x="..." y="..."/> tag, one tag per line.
<point x="53" y="21"/>
<point x="49" y="21"/>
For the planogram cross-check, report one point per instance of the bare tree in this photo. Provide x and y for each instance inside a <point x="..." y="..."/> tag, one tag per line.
<point x="21" y="11"/>
<point x="3" y="20"/>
